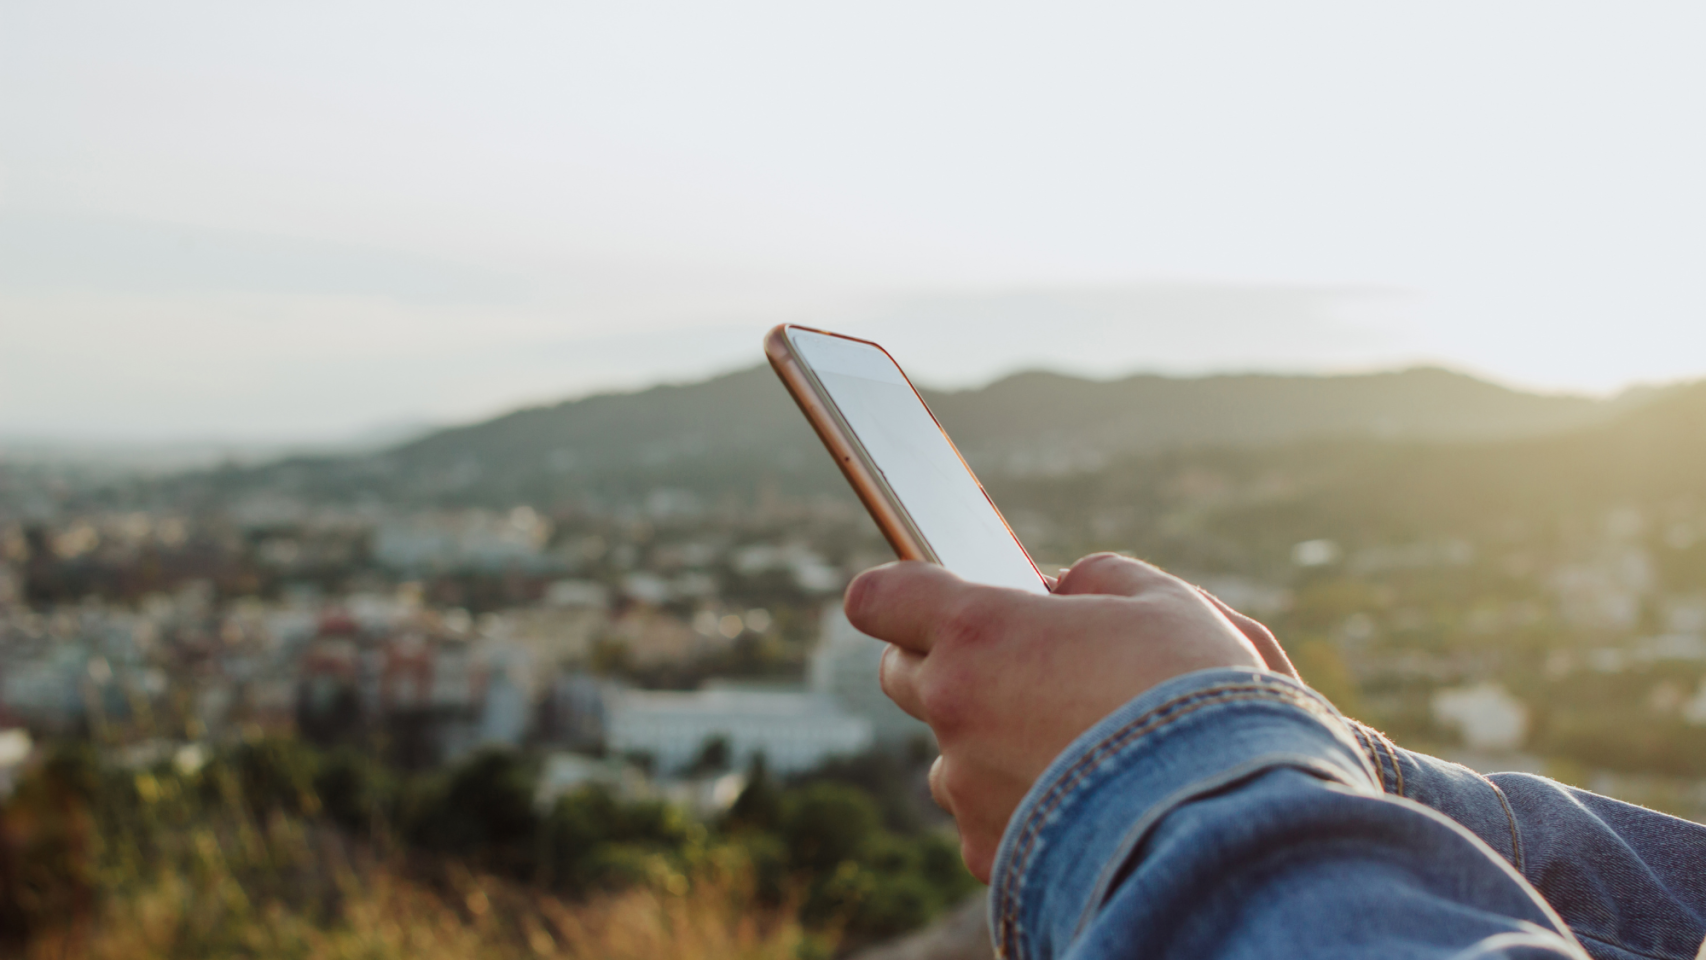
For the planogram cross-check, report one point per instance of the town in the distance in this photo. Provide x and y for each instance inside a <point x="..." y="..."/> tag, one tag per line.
<point x="635" y="638"/>
<point x="635" y="600"/>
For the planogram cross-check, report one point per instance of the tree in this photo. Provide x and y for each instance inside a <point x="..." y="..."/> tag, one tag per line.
<point x="276" y="773"/>
<point x="826" y="824"/>
<point x="759" y="806"/>
<point x="484" y="811"/>
<point x="713" y="757"/>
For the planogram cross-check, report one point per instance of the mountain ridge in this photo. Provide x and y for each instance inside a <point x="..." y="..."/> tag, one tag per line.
<point x="731" y="433"/>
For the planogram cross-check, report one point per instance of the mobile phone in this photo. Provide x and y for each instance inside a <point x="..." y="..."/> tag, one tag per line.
<point x="917" y="487"/>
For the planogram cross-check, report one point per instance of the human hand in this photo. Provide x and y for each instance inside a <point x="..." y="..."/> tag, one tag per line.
<point x="1008" y="679"/>
<point x="1273" y="655"/>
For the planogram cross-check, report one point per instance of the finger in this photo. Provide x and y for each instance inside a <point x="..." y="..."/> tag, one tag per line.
<point x="1110" y="573"/>
<point x="897" y="673"/>
<point x="905" y="602"/>
<point x="938" y="784"/>
<point x="1266" y="643"/>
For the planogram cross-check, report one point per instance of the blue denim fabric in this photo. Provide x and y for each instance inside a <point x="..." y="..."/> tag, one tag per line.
<point x="1630" y="882"/>
<point x="1234" y="813"/>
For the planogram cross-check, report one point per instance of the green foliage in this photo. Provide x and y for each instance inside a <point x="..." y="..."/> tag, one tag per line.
<point x="860" y="878"/>
<point x="483" y="810"/>
<point x="759" y="806"/>
<point x="767" y="858"/>
<point x="826" y="824"/>
<point x="887" y="780"/>
<point x="355" y="792"/>
<point x="939" y="862"/>
<point x="592" y="840"/>
<point x="48" y="843"/>
<point x="245" y="836"/>
<point x="892" y="905"/>
<point x="713" y="757"/>
<point x="276" y="773"/>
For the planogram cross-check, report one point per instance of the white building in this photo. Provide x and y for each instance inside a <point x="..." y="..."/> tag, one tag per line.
<point x="472" y="539"/>
<point x="506" y="708"/>
<point x="1694" y="710"/>
<point x="1486" y="714"/>
<point x="564" y="773"/>
<point x="15" y="748"/>
<point x="793" y="729"/>
<point x="844" y="668"/>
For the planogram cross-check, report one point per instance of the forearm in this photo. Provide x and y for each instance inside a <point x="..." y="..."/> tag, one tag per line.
<point x="1232" y="813"/>
<point x="1629" y="881"/>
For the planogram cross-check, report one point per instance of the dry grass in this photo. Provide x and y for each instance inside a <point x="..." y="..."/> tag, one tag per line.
<point x="385" y="915"/>
<point x="286" y="889"/>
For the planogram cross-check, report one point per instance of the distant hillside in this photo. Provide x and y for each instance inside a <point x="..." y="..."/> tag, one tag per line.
<point x="730" y="434"/>
<point x="1218" y="507"/>
<point x="1034" y="421"/>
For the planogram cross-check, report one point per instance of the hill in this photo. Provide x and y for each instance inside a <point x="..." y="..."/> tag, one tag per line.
<point x="731" y="434"/>
<point x="1236" y="504"/>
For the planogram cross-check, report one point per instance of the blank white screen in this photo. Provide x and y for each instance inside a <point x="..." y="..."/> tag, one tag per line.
<point x="928" y="478"/>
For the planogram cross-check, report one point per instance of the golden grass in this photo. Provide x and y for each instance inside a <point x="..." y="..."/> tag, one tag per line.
<point x="285" y="889"/>
<point x="385" y="915"/>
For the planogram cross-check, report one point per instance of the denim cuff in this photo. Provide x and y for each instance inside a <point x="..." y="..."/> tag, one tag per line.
<point x="1460" y="793"/>
<point x="1191" y="736"/>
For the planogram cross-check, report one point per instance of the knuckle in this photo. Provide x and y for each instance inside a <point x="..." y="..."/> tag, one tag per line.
<point x="952" y="781"/>
<point x="862" y="596"/>
<point x="946" y="698"/>
<point x="894" y="679"/>
<point x="1106" y="572"/>
<point x="885" y="672"/>
<point x="1099" y="562"/>
<point x="938" y="791"/>
<point x="958" y="780"/>
<point x="1163" y="604"/>
<point x="970" y="621"/>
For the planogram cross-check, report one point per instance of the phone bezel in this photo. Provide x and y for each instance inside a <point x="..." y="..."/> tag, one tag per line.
<point x="850" y="455"/>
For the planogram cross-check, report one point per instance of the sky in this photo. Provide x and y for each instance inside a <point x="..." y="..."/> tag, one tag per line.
<point x="309" y="220"/>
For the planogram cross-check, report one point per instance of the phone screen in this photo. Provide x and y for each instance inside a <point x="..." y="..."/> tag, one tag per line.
<point x="945" y="502"/>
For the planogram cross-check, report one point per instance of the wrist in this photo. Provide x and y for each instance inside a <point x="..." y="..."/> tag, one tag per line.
<point x="1194" y="734"/>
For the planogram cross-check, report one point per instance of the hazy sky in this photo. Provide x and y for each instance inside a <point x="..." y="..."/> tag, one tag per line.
<point x="297" y="220"/>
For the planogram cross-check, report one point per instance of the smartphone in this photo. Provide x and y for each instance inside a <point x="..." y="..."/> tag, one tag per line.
<point x="899" y="460"/>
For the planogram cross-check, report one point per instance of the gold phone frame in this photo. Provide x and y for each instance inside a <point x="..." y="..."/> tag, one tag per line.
<point x="856" y="465"/>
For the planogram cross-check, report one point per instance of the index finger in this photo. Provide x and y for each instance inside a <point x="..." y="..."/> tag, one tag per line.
<point x="1266" y="643"/>
<point x="904" y="602"/>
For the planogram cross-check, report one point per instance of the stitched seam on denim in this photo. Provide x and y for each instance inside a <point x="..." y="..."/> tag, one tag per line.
<point x="1397" y="768"/>
<point x="1114" y="742"/>
<point x="1091" y="760"/>
<point x="1510" y="818"/>
<point x="1135" y="835"/>
<point x="1391" y="749"/>
<point x="1368" y="751"/>
<point x="1375" y="756"/>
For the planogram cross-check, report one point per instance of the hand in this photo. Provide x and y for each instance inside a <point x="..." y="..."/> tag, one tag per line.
<point x="1007" y="679"/>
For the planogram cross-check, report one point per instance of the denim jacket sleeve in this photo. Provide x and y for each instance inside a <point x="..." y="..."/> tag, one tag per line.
<point x="1235" y="814"/>
<point x="1630" y="882"/>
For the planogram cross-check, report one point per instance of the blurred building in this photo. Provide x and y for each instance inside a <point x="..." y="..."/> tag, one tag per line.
<point x="794" y="730"/>
<point x="1486" y="714"/>
<point x="564" y="773"/>
<point x="470" y="539"/>
<point x="15" y="749"/>
<point x="844" y="669"/>
<point x="571" y="712"/>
